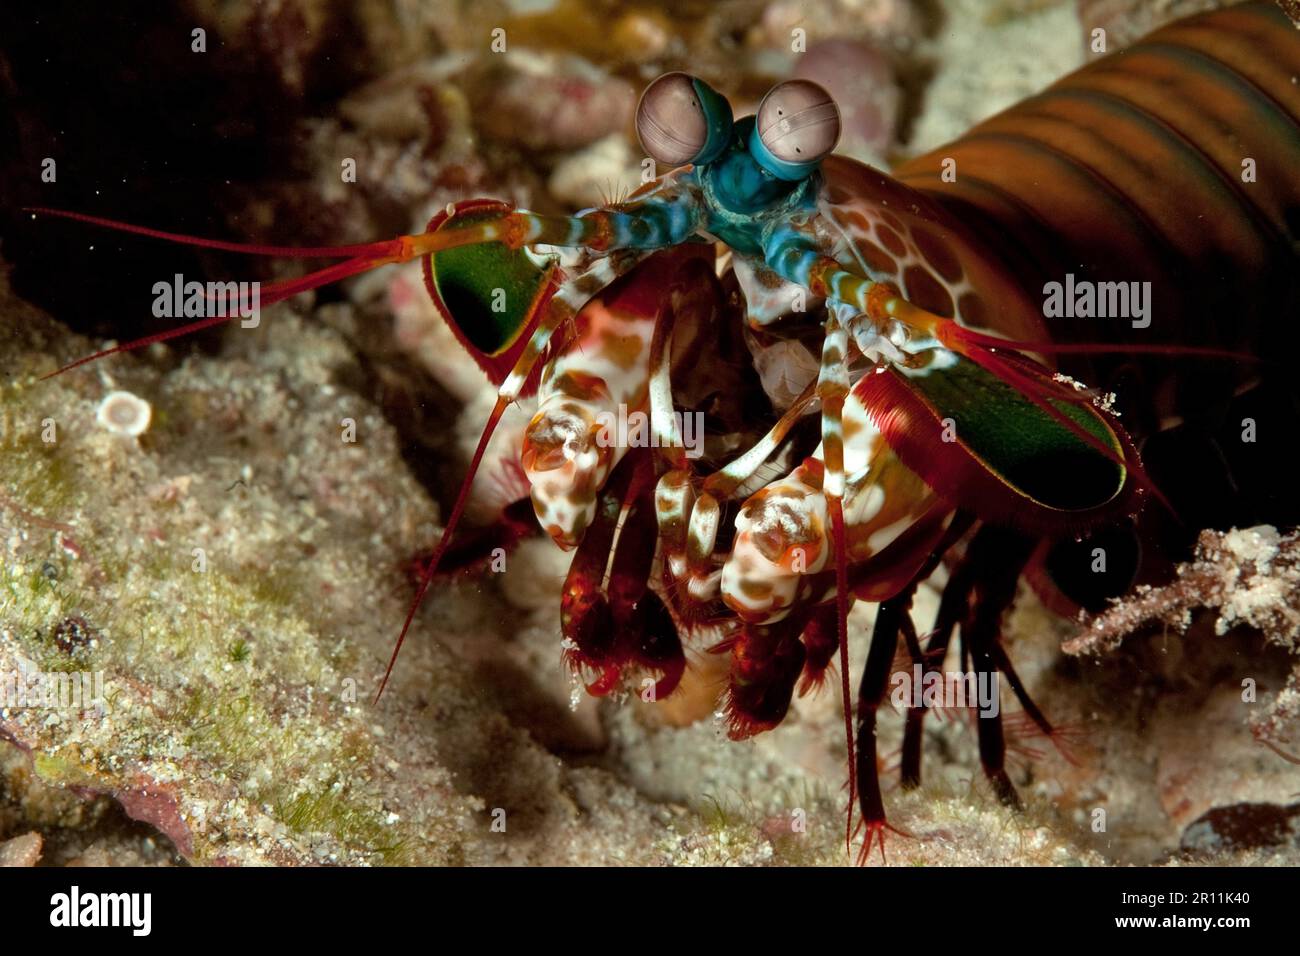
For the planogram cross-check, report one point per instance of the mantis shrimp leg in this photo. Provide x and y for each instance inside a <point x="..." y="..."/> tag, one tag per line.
<point x="563" y="307"/>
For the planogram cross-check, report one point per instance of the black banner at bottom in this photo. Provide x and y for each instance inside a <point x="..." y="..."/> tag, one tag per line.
<point x="540" y="906"/>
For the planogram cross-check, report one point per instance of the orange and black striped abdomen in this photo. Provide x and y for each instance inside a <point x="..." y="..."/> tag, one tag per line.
<point x="1175" y="162"/>
<point x="1132" y="169"/>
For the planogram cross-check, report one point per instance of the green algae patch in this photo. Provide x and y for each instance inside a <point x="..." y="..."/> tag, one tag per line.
<point x="212" y="584"/>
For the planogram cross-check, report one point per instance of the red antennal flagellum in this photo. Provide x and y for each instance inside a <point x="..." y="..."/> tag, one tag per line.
<point x="358" y="259"/>
<point x="836" y="508"/>
<point x="243" y="248"/>
<point x="448" y="530"/>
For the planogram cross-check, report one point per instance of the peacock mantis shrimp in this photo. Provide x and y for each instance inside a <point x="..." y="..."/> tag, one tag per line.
<point x="933" y="422"/>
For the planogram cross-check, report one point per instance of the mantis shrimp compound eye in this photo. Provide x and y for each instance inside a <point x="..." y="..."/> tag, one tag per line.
<point x="681" y="119"/>
<point x="797" y="126"/>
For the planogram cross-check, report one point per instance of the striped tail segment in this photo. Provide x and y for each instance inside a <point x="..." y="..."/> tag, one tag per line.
<point x="1173" y="163"/>
<point x="1132" y="169"/>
